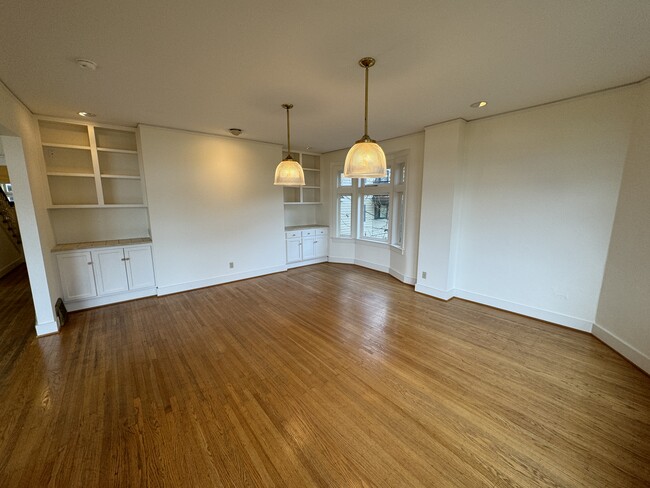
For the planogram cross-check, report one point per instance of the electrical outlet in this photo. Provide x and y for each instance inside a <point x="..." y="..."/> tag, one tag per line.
<point x="424" y="275"/>
<point x="232" y="265"/>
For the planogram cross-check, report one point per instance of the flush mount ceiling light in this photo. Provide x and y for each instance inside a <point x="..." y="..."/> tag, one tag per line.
<point x="86" y="114"/>
<point x="365" y="159"/>
<point x="86" y="64"/>
<point x="480" y="104"/>
<point x="289" y="172"/>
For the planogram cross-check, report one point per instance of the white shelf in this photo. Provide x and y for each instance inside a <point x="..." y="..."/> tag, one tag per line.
<point x="123" y="177"/>
<point x="94" y="205"/>
<point x="104" y="160"/>
<point x="123" y="151"/>
<point x="76" y="175"/>
<point x="65" y="146"/>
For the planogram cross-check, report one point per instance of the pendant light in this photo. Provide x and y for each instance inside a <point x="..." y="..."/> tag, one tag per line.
<point x="365" y="159"/>
<point x="289" y="172"/>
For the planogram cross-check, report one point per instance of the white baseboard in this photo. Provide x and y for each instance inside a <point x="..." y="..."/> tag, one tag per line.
<point x="340" y="260"/>
<point x="619" y="345"/>
<point x="435" y="292"/>
<point x="47" y="328"/>
<point x="11" y="266"/>
<point x="409" y="280"/>
<point x="218" y="280"/>
<point x="369" y="265"/>
<point x="297" y="264"/>
<point x="537" y="313"/>
<point x="108" y="299"/>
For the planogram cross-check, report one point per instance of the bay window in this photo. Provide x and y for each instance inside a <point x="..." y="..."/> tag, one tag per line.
<point x="372" y="209"/>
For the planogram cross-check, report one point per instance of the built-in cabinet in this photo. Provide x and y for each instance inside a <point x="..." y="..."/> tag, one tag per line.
<point x="306" y="245"/>
<point x="93" y="277"/>
<point x="95" y="181"/>
<point x="91" y="166"/>
<point x="309" y="194"/>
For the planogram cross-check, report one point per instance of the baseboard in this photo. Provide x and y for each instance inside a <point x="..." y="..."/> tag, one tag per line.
<point x="537" y="313"/>
<point x="623" y="348"/>
<point x="11" y="266"/>
<point x="218" y="280"/>
<point x="47" y="328"/>
<point x="297" y="264"/>
<point x="75" y="305"/>
<point x="409" y="280"/>
<point x="369" y="265"/>
<point x="435" y="292"/>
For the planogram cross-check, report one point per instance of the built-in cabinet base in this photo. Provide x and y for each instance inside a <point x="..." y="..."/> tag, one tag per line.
<point x="102" y="275"/>
<point x="306" y="245"/>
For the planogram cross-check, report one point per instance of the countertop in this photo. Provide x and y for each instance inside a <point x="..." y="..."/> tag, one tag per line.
<point x="74" y="246"/>
<point x="301" y="227"/>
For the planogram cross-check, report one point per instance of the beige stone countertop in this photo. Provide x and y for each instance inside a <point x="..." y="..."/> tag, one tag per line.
<point x="301" y="227"/>
<point x="74" y="246"/>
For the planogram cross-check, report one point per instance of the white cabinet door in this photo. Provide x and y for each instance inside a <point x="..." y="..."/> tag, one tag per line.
<point x="77" y="277"/>
<point x="139" y="265"/>
<point x="320" y="246"/>
<point x="110" y="271"/>
<point x="308" y="248"/>
<point x="294" y="250"/>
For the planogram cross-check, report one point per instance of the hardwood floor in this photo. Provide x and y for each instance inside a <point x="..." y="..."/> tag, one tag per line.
<point x="328" y="375"/>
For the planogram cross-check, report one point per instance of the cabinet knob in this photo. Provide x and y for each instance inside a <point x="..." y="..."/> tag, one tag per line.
<point x="90" y="263"/>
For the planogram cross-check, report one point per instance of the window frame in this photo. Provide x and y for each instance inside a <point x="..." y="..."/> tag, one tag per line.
<point x="359" y="188"/>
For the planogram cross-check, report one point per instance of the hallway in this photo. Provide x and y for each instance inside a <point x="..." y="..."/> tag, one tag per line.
<point x="17" y="325"/>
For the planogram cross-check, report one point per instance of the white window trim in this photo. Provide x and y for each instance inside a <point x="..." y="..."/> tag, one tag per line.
<point x="357" y="190"/>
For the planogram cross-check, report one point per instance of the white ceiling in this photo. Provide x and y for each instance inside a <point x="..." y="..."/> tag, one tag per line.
<point x="208" y="65"/>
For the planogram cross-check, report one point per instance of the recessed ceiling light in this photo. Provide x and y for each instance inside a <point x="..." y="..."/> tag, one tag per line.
<point x="86" y="64"/>
<point x="86" y="114"/>
<point x="480" y="104"/>
<point x="234" y="131"/>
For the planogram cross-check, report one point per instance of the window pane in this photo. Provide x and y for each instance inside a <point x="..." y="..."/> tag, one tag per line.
<point x="344" y="216"/>
<point x="378" y="181"/>
<point x="375" y="217"/>
<point x="343" y="181"/>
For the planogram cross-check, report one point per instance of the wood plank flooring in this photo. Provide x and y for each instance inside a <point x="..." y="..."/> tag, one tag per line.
<point x="328" y="375"/>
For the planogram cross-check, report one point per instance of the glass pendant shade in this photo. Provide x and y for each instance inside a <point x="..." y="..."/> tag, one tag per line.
<point x="289" y="173"/>
<point x="366" y="159"/>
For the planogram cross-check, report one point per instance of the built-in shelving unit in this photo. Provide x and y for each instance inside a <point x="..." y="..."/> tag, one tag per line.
<point x="91" y="166"/>
<point x="95" y="181"/>
<point x="310" y="193"/>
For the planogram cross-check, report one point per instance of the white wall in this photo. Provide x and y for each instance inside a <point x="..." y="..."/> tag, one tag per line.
<point x="211" y="201"/>
<point x="537" y="198"/>
<point x="540" y="195"/>
<point x="441" y="199"/>
<point x="24" y="159"/>
<point x="302" y="215"/>
<point x="623" y="318"/>
<point x="381" y="257"/>
<point x="85" y="225"/>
